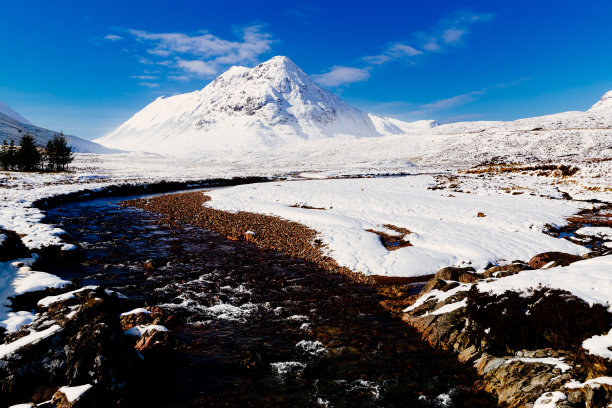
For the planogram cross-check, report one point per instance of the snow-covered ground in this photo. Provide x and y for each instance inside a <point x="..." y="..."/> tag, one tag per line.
<point x="445" y="229"/>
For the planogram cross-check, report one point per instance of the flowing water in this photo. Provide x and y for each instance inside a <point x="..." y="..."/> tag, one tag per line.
<point x="255" y="327"/>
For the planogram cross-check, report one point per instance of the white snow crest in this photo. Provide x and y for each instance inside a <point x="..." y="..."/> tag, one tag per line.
<point x="32" y="338"/>
<point x="49" y="300"/>
<point x="75" y="393"/>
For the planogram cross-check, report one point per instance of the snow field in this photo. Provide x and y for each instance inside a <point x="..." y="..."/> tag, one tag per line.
<point x="445" y="231"/>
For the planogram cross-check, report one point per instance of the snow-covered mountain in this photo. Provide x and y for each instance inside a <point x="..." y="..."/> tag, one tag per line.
<point x="604" y="104"/>
<point x="11" y="128"/>
<point x="271" y="105"/>
<point x="11" y="113"/>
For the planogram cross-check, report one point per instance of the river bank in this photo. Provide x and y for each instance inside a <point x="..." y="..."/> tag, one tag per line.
<point x="527" y="359"/>
<point x="281" y="330"/>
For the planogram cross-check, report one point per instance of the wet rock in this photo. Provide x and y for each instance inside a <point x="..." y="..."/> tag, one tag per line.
<point x="439" y="284"/>
<point x="151" y="338"/>
<point x="136" y="317"/>
<point x="250" y="236"/>
<point x="558" y="259"/>
<point x="505" y="270"/>
<point x="85" y="344"/>
<point x="464" y="275"/>
<point x="149" y="266"/>
<point x="74" y="397"/>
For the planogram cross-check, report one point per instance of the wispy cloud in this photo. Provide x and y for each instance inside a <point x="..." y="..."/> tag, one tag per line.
<point x="149" y="84"/>
<point x="183" y="56"/>
<point x="340" y="75"/>
<point x="203" y="54"/>
<point x="113" y="37"/>
<point x="448" y="32"/>
<point x="462" y="99"/>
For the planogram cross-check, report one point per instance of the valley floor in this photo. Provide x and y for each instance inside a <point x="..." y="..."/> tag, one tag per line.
<point x="479" y="216"/>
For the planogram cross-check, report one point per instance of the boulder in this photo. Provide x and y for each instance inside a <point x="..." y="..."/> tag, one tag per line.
<point x="559" y="259"/>
<point x="154" y="340"/>
<point x="74" y="397"/>
<point x="505" y="270"/>
<point x="465" y="275"/>
<point x="439" y="284"/>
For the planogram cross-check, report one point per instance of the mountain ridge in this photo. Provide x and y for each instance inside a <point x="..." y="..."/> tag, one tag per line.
<point x="12" y="129"/>
<point x="270" y="105"/>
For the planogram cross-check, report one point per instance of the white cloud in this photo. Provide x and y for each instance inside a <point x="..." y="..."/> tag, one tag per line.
<point x="393" y="52"/>
<point x="452" y="35"/>
<point x="449" y="32"/>
<point x="205" y="54"/>
<point x="462" y="99"/>
<point x="197" y="67"/>
<point x="113" y="37"/>
<point x="179" y="77"/>
<point x="149" y="84"/>
<point x="451" y="102"/>
<point x="144" y="77"/>
<point x="340" y="75"/>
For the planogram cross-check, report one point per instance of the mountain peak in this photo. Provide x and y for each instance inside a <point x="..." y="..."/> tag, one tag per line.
<point x="605" y="103"/>
<point x="271" y="105"/>
<point x="280" y="61"/>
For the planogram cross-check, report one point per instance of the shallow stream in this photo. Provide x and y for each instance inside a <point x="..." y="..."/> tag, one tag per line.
<point x="256" y="327"/>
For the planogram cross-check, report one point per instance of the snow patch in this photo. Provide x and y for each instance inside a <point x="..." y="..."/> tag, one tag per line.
<point x="32" y="338"/>
<point x="75" y="393"/>
<point x="49" y="300"/>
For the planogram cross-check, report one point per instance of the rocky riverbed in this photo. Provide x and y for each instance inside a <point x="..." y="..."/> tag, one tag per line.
<point x="526" y="348"/>
<point x="165" y="313"/>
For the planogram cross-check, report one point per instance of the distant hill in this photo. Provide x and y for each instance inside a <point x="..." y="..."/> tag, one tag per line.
<point x="13" y="125"/>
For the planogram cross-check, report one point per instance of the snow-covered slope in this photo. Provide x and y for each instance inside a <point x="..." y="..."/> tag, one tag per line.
<point x="11" y="113"/>
<point x="604" y="104"/>
<point x="12" y="129"/>
<point x="271" y="105"/>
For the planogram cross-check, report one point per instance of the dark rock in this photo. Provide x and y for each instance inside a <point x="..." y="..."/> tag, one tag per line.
<point x="436" y="283"/>
<point x="155" y="340"/>
<point x="135" y="319"/>
<point x="464" y="275"/>
<point x="559" y="259"/>
<point x="505" y="270"/>
<point x="63" y="398"/>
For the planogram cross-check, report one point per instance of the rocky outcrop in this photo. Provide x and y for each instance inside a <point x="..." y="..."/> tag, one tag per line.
<point x="552" y="259"/>
<point x="77" y="339"/>
<point x="526" y="347"/>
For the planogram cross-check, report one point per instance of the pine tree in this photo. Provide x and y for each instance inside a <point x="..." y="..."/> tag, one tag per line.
<point x="11" y="156"/>
<point x="4" y="155"/>
<point x="28" y="156"/>
<point x="58" y="153"/>
<point x="64" y="152"/>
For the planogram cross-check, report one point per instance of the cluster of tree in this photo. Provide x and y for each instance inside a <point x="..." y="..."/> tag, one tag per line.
<point x="30" y="157"/>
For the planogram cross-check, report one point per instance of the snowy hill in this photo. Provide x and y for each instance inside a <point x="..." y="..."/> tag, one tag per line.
<point x="604" y="104"/>
<point x="12" y="129"/>
<point x="10" y="112"/>
<point x="271" y="105"/>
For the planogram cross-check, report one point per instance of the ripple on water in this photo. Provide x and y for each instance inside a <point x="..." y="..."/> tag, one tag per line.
<point x="255" y="327"/>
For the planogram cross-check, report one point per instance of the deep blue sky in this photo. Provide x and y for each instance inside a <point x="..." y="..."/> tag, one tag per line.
<point x="85" y="67"/>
